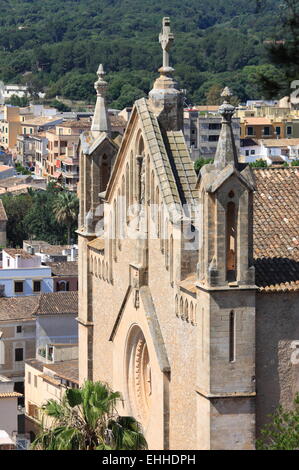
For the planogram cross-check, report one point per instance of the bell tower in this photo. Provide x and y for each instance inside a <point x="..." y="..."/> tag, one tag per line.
<point x="226" y="298"/>
<point x="97" y="152"/>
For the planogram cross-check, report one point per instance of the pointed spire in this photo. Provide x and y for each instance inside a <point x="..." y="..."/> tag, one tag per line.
<point x="226" y="149"/>
<point x="100" y="121"/>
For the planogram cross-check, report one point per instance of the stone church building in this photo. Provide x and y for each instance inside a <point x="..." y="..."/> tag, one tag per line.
<point x="188" y="286"/>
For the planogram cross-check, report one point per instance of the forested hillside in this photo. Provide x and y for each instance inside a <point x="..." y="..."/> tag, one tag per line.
<point x="57" y="45"/>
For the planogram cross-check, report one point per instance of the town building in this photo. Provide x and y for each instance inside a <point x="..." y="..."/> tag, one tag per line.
<point x="20" y="184"/>
<point x="10" y="126"/>
<point x="6" y="442"/>
<point x="201" y="132"/>
<point x="46" y="381"/>
<point x="9" y="408"/>
<point x="54" y="367"/>
<point x="65" y="275"/>
<point x="31" y="142"/>
<point x="17" y="337"/>
<point x="273" y="151"/>
<point x="51" y="253"/>
<point x="62" y="161"/>
<point x="22" y="273"/>
<point x="188" y="287"/>
<point x="42" y="326"/>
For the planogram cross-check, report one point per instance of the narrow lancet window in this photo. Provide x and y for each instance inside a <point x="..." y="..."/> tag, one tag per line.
<point x="231" y="239"/>
<point x="232" y="322"/>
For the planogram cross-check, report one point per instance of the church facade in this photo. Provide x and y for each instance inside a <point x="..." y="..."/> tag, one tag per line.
<point x="188" y="286"/>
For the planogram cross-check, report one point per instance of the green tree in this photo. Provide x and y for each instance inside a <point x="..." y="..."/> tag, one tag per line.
<point x="295" y="163"/>
<point x="260" y="163"/>
<point x="60" y="106"/>
<point x="65" y="210"/>
<point x="21" y="169"/>
<point x="86" y="419"/>
<point x="16" y="100"/>
<point x="282" y="433"/>
<point x="213" y="95"/>
<point x="198" y="164"/>
<point x="16" y="208"/>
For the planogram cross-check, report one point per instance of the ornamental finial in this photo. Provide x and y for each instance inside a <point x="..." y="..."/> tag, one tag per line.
<point x="101" y="85"/>
<point x="226" y="109"/>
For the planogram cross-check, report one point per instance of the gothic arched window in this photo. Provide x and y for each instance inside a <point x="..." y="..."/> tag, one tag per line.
<point x="186" y="310"/>
<point x="177" y="305"/>
<point x="231" y="241"/>
<point x="181" y="307"/>
<point x="171" y="259"/>
<point x="191" y="313"/>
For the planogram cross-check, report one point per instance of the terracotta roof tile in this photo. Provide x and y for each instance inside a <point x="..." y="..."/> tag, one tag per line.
<point x="10" y="395"/>
<point x="68" y="370"/>
<point x="18" y="251"/>
<point x="276" y="228"/>
<point x="66" y="268"/>
<point x="57" y="303"/>
<point x="18" y="308"/>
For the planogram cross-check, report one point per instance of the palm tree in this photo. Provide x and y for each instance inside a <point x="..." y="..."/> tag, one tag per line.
<point x="86" y="419"/>
<point x="65" y="210"/>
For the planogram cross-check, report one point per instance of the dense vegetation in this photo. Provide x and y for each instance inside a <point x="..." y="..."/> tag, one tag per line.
<point x="33" y="216"/>
<point x="282" y="432"/>
<point x="86" y="419"/>
<point x="57" y="46"/>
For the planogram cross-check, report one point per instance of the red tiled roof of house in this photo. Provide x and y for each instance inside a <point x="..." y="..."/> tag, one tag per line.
<point x="57" y="303"/>
<point x="276" y="228"/>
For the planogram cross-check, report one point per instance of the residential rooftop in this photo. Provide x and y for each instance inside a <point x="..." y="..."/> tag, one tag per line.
<point x="57" y="303"/>
<point x="13" y="252"/>
<point x="65" y="268"/>
<point x="26" y="308"/>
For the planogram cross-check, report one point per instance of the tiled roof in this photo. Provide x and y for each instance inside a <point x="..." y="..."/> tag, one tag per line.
<point x="35" y="363"/>
<point x="171" y="158"/>
<point x="18" y="308"/>
<point x="117" y="121"/>
<point x="68" y="370"/>
<point x="279" y="142"/>
<point x="65" y="268"/>
<point x="81" y="124"/>
<point x="182" y="165"/>
<point x="49" y="379"/>
<point x="57" y="303"/>
<point x="97" y="243"/>
<point x="10" y="394"/>
<point x="18" y="251"/>
<point x="276" y="228"/>
<point x="258" y="121"/>
<point x="158" y="152"/>
<point x="53" y="249"/>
